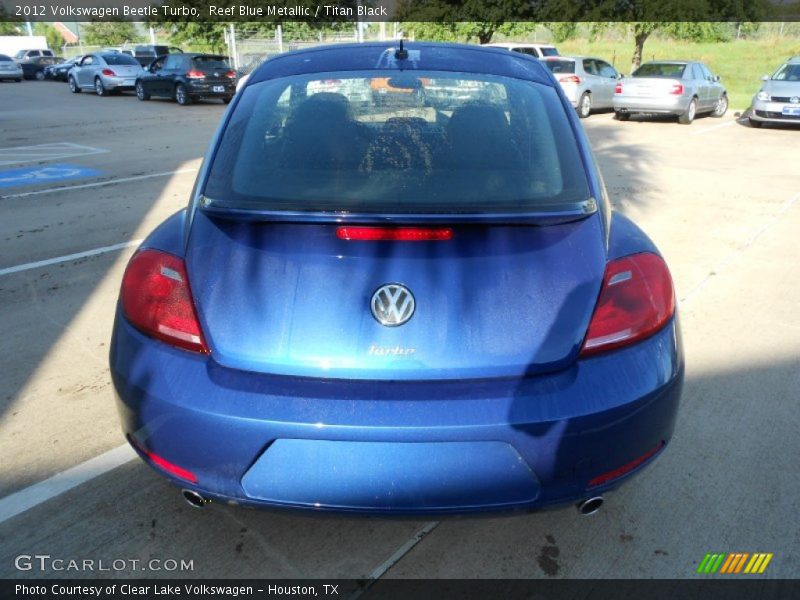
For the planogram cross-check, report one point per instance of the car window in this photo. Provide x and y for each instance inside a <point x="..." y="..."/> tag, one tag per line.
<point x="606" y="70"/>
<point x="47" y="53"/>
<point x="430" y="142"/>
<point x="172" y="62"/>
<point x="707" y="74"/>
<point x="788" y="72"/>
<point x="660" y="70"/>
<point x="560" y="66"/>
<point x="88" y="60"/>
<point x="549" y="51"/>
<point x="119" y="58"/>
<point x="697" y="73"/>
<point x="590" y="67"/>
<point x="528" y="51"/>
<point x="210" y="62"/>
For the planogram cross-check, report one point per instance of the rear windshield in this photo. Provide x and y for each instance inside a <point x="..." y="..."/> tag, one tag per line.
<point x="660" y="70"/>
<point x="560" y="66"/>
<point x="788" y="72"/>
<point x="120" y="59"/>
<point x="397" y="142"/>
<point x="549" y="51"/>
<point x="210" y="62"/>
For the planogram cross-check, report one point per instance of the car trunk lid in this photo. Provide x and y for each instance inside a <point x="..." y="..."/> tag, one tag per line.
<point x="494" y="300"/>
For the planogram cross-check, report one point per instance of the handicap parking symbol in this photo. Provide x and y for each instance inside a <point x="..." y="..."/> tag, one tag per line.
<point x="43" y="175"/>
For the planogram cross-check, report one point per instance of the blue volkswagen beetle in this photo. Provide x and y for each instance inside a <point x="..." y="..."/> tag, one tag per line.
<point x="398" y="288"/>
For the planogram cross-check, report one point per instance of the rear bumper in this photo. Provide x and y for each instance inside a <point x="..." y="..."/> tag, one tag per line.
<point x="659" y="105"/>
<point x="206" y="90"/>
<point x="397" y="447"/>
<point x="119" y="83"/>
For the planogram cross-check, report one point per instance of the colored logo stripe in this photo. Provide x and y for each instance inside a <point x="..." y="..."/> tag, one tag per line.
<point x="734" y="562"/>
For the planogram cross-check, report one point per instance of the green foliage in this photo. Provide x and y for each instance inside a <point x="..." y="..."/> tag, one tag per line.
<point x="467" y="31"/>
<point x="101" y="33"/>
<point x="8" y="24"/>
<point x="562" y="30"/>
<point x="699" y="31"/>
<point x="54" y="38"/>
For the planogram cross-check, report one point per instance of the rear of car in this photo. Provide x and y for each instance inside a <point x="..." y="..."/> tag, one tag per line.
<point x="534" y="50"/>
<point x="209" y="76"/>
<point x="34" y="67"/>
<point x="778" y="100"/>
<point x="9" y="69"/>
<point x="386" y="308"/>
<point x="118" y="72"/>
<point x="654" y="88"/>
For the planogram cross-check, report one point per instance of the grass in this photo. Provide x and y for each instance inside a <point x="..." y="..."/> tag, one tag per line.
<point x="740" y="64"/>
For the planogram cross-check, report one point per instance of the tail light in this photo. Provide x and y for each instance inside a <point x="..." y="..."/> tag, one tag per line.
<point x="163" y="463"/>
<point x="108" y="73"/>
<point x="195" y="74"/>
<point x="626" y="468"/>
<point x="636" y="300"/>
<point x="399" y="234"/>
<point x="231" y="74"/>
<point x="676" y="89"/>
<point x="156" y="299"/>
<point x="618" y="88"/>
<point x="570" y="79"/>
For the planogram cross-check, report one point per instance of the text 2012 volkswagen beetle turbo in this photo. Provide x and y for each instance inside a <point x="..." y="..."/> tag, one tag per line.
<point x="418" y="303"/>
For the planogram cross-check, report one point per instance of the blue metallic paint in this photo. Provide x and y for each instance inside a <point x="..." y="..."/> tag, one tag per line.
<point x="233" y="428"/>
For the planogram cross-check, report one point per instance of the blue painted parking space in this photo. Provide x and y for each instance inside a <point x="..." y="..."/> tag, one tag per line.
<point x="45" y="174"/>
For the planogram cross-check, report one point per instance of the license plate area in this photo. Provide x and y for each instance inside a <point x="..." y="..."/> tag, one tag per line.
<point x="792" y="111"/>
<point x="218" y="88"/>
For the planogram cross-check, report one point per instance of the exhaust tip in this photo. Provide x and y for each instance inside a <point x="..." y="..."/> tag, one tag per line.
<point x="590" y="505"/>
<point x="194" y="499"/>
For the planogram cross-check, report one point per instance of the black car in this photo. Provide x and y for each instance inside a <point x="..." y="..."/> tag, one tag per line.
<point x="188" y="77"/>
<point x="58" y="71"/>
<point x="34" y="68"/>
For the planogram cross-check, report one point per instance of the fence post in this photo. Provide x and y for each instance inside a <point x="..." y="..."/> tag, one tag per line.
<point x="279" y="38"/>
<point x="234" y="54"/>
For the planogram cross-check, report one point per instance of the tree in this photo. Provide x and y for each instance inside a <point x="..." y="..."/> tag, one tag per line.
<point x="562" y="30"/>
<point x="101" y="33"/>
<point x="54" y="38"/>
<point x="8" y="24"/>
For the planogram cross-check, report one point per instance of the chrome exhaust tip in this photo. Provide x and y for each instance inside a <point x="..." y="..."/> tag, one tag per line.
<point x="590" y="505"/>
<point x="194" y="499"/>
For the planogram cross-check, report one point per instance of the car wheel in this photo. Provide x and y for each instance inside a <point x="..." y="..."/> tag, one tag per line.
<point x="754" y="123"/>
<point x="39" y="75"/>
<point x="18" y="80"/>
<point x="227" y="99"/>
<point x="622" y="116"/>
<point x="721" y="108"/>
<point x="585" y="105"/>
<point x="691" y="111"/>
<point x="140" y="93"/>
<point x="182" y="97"/>
<point x="99" y="88"/>
<point x="73" y="86"/>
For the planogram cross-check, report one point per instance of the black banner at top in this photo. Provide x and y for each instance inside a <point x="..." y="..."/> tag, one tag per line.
<point x="332" y="11"/>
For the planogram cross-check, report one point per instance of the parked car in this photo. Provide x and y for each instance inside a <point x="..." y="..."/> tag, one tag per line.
<point x="398" y="310"/>
<point x="104" y="73"/>
<point x="146" y="54"/>
<point x="682" y="88"/>
<point x="28" y="55"/>
<point x="188" y="77"/>
<point x="59" y="71"/>
<point x="33" y="68"/>
<point x="588" y="82"/>
<point x="534" y="50"/>
<point x="9" y="69"/>
<point x="778" y="100"/>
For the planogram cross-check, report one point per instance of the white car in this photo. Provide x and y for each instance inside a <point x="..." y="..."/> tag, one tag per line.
<point x="535" y="50"/>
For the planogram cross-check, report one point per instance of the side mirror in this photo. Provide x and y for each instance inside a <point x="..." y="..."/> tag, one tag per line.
<point x="716" y="78"/>
<point x="765" y="78"/>
<point x="620" y="75"/>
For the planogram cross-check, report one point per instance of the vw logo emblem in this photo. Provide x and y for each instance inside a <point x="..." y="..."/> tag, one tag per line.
<point x="392" y="304"/>
<point x="794" y="100"/>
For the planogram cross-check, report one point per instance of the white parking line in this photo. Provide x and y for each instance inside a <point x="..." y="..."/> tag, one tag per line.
<point x="20" y="154"/>
<point x="67" y="257"/>
<point x="97" y="184"/>
<point x="29" y="497"/>
<point x="713" y="127"/>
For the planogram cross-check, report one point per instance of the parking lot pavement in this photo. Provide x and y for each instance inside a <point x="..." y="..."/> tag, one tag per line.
<point x="720" y="199"/>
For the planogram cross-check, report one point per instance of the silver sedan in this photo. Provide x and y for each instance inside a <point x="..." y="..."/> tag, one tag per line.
<point x="682" y="88"/>
<point x="588" y="82"/>
<point x="778" y="100"/>
<point x="9" y="69"/>
<point x="104" y="72"/>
